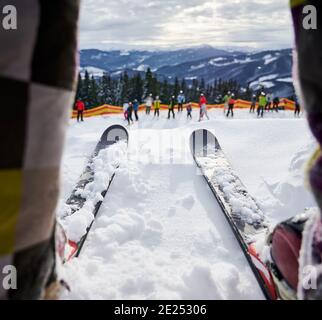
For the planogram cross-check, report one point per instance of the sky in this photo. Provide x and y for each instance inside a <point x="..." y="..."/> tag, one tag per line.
<point x="172" y="24"/>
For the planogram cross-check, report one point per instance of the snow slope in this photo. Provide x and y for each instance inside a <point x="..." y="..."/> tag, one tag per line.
<point x="160" y="234"/>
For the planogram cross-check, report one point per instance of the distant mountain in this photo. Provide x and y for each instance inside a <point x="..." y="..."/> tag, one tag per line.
<point x="141" y="60"/>
<point x="272" y="69"/>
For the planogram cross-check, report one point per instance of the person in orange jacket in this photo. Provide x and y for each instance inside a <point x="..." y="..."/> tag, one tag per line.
<point x="80" y="107"/>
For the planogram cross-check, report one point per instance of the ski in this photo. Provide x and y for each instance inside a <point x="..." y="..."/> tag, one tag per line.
<point x="243" y="214"/>
<point x="111" y="136"/>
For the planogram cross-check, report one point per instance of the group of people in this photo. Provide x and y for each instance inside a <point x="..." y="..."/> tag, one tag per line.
<point x="129" y="108"/>
<point x="150" y="103"/>
<point x="264" y="102"/>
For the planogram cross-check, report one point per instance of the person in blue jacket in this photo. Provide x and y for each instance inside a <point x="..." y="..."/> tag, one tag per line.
<point x="136" y="109"/>
<point x="181" y="101"/>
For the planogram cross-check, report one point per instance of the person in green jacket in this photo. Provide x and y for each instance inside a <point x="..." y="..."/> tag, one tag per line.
<point x="226" y="99"/>
<point x="261" y="105"/>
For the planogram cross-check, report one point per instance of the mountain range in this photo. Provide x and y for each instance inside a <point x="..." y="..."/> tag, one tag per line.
<point x="271" y="69"/>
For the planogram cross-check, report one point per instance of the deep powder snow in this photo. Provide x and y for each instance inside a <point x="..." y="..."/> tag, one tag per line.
<point x="160" y="233"/>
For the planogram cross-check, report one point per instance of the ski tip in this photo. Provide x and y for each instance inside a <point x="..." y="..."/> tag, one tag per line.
<point x="203" y="143"/>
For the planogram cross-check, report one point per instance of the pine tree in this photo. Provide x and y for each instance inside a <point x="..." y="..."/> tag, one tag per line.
<point x="86" y="89"/>
<point x="93" y="93"/>
<point x="176" y="88"/>
<point x="148" y="87"/>
<point x="165" y="92"/>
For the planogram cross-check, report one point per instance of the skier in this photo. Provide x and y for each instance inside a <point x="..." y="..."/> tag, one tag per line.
<point x="157" y="105"/>
<point x="125" y="108"/>
<point x="269" y="102"/>
<point x="181" y="101"/>
<point x="297" y="108"/>
<point x="189" y="110"/>
<point x="136" y="109"/>
<point x="172" y="105"/>
<point x="276" y="102"/>
<point x="231" y="104"/>
<point x="261" y="105"/>
<point x="129" y="113"/>
<point x="226" y="101"/>
<point x="80" y="107"/>
<point x="203" y="107"/>
<point x="253" y="104"/>
<point x="148" y="104"/>
<point x="32" y="149"/>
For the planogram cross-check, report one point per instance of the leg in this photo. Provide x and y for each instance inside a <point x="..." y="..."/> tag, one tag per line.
<point x="82" y="115"/>
<point x="27" y="219"/>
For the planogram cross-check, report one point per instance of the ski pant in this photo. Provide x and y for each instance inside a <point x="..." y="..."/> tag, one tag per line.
<point x="148" y="110"/>
<point x="260" y="111"/>
<point x="189" y="114"/>
<point x="203" y="113"/>
<point x="80" y="115"/>
<point x="37" y="81"/>
<point x="230" y="110"/>
<point x="157" y="112"/>
<point x="252" y="108"/>
<point x="136" y="115"/>
<point x="169" y="113"/>
<point x="275" y="106"/>
<point x="180" y="107"/>
<point x="297" y="111"/>
<point x="129" y="118"/>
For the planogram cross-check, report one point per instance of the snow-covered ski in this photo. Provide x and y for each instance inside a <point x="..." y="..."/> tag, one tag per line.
<point x="111" y="136"/>
<point x="239" y="207"/>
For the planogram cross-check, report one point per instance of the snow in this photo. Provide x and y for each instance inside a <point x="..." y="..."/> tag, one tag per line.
<point x="290" y="80"/>
<point x="125" y="53"/>
<point x="235" y="61"/>
<point x="142" y="67"/>
<point x="160" y="234"/>
<point x="104" y="165"/>
<point x="213" y="61"/>
<point x="263" y="81"/>
<point x="199" y="66"/>
<point x="269" y="59"/>
<point x="96" y="72"/>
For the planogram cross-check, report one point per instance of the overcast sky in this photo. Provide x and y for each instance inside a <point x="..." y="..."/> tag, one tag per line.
<point x="144" y="24"/>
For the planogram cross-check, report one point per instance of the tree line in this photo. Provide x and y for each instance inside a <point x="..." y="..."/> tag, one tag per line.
<point x="96" y="91"/>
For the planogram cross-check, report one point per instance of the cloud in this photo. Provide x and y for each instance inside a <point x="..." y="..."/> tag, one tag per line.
<point x="127" y="24"/>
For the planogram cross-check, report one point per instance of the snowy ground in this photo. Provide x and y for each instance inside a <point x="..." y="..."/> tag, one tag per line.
<point x="160" y="233"/>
